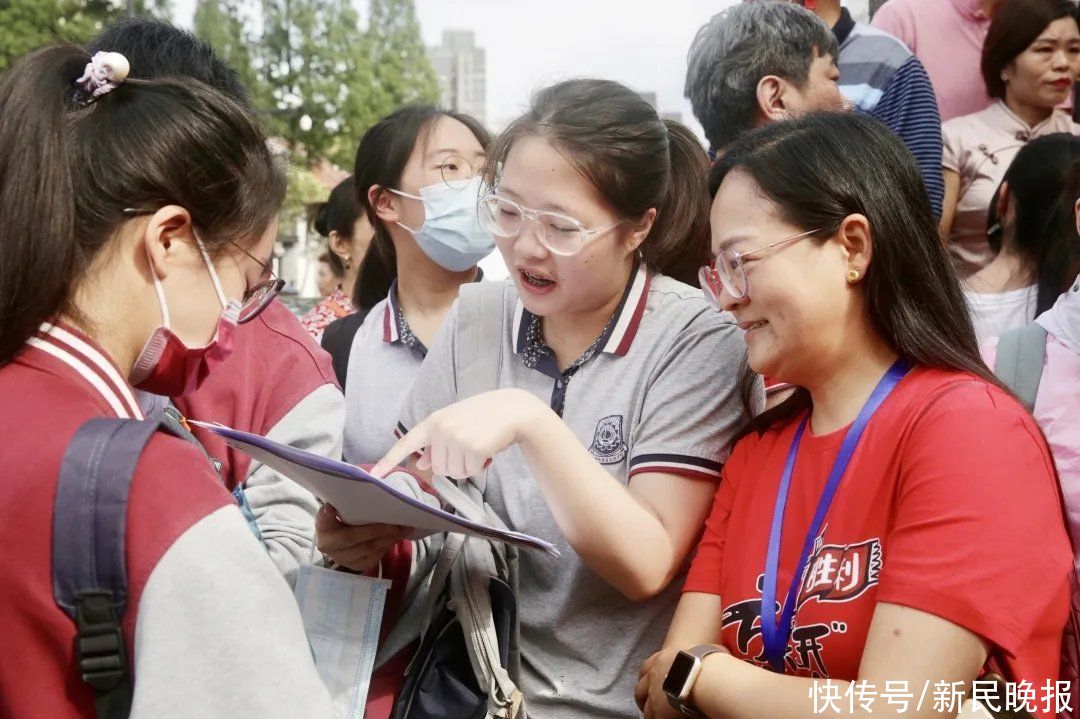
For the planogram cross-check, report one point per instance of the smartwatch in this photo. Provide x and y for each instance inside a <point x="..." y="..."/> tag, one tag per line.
<point x="682" y="674"/>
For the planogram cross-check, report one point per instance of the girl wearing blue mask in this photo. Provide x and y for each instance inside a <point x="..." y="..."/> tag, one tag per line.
<point x="418" y="181"/>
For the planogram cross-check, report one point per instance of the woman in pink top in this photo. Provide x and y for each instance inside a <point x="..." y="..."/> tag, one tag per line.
<point x="1030" y="61"/>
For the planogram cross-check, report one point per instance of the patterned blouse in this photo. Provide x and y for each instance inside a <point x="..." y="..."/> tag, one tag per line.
<point x="336" y="304"/>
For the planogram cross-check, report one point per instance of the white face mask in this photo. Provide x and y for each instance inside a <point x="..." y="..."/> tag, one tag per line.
<point x="451" y="234"/>
<point x="1063" y="319"/>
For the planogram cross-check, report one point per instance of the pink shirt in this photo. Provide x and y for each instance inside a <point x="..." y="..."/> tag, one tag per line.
<point x="980" y="147"/>
<point x="1057" y="406"/>
<point x="947" y="36"/>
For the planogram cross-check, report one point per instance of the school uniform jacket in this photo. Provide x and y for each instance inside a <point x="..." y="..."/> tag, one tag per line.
<point x="211" y="627"/>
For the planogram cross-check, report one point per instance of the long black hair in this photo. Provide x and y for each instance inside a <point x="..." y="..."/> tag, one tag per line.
<point x="824" y="166"/>
<point x="637" y="161"/>
<point x="380" y="160"/>
<point x="69" y="167"/>
<point x="1036" y="181"/>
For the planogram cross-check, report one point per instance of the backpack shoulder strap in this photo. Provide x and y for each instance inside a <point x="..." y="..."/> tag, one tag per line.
<point x="88" y="567"/>
<point x="481" y="320"/>
<point x="480" y="323"/>
<point x="338" y="338"/>
<point x="481" y="329"/>
<point x="1021" y="353"/>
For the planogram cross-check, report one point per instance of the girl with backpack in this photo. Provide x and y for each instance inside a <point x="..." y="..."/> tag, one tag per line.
<point x="616" y="391"/>
<point x="894" y="525"/>
<point x="136" y="222"/>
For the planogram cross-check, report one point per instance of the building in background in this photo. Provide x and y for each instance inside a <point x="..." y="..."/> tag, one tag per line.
<point x="462" y="70"/>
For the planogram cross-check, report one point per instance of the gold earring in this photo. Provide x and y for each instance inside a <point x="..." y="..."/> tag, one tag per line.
<point x="853" y="275"/>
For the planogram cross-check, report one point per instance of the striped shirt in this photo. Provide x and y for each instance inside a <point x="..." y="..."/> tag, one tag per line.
<point x="882" y="78"/>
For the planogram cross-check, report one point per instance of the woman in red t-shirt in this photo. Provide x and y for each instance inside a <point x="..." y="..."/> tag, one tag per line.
<point x="942" y="549"/>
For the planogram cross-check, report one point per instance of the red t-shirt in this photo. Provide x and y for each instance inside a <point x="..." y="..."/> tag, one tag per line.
<point x="949" y="506"/>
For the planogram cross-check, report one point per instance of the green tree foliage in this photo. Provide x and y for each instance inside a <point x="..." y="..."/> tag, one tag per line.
<point x="26" y="25"/>
<point x="329" y="79"/>
<point x="314" y="59"/>
<point x="222" y="24"/>
<point x="319" y="77"/>
<point x="404" y="73"/>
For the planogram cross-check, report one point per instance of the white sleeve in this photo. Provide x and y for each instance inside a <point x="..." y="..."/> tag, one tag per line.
<point x="219" y="633"/>
<point x="285" y="511"/>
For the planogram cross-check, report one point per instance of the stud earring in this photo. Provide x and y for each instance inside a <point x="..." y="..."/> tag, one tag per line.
<point x="853" y="275"/>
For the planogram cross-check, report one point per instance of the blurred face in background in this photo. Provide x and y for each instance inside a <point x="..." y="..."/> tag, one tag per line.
<point x="326" y="280"/>
<point x="1042" y="76"/>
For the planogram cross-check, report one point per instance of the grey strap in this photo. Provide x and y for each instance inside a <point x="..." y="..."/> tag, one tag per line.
<point x="1021" y="354"/>
<point x="470" y="562"/>
<point x="481" y="321"/>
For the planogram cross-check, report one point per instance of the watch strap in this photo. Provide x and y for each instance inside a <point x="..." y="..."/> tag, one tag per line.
<point x="699" y="652"/>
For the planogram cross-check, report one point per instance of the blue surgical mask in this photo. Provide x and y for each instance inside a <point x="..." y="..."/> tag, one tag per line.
<point x="451" y="234"/>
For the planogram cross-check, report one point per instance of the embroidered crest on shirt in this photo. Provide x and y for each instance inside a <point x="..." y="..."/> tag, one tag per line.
<point x="608" y="445"/>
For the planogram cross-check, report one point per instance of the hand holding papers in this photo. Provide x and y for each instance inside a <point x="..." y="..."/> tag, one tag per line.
<point x="361" y="498"/>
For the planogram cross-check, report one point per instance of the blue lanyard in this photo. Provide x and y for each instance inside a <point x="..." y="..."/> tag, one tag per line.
<point x="775" y="634"/>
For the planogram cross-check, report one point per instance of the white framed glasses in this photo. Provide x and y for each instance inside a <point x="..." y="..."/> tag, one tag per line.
<point x="726" y="273"/>
<point x="560" y="234"/>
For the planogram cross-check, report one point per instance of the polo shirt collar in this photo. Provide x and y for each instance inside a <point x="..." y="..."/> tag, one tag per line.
<point x="393" y="320"/>
<point x="619" y="333"/>
<point x="843" y="27"/>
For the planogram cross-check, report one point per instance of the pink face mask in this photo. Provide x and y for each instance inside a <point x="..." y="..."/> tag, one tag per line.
<point x="168" y="367"/>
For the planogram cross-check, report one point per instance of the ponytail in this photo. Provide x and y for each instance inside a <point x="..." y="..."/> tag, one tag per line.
<point x="678" y="243"/>
<point x="71" y="163"/>
<point x="37" y="201"/>
<point x="378" y="269"/>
